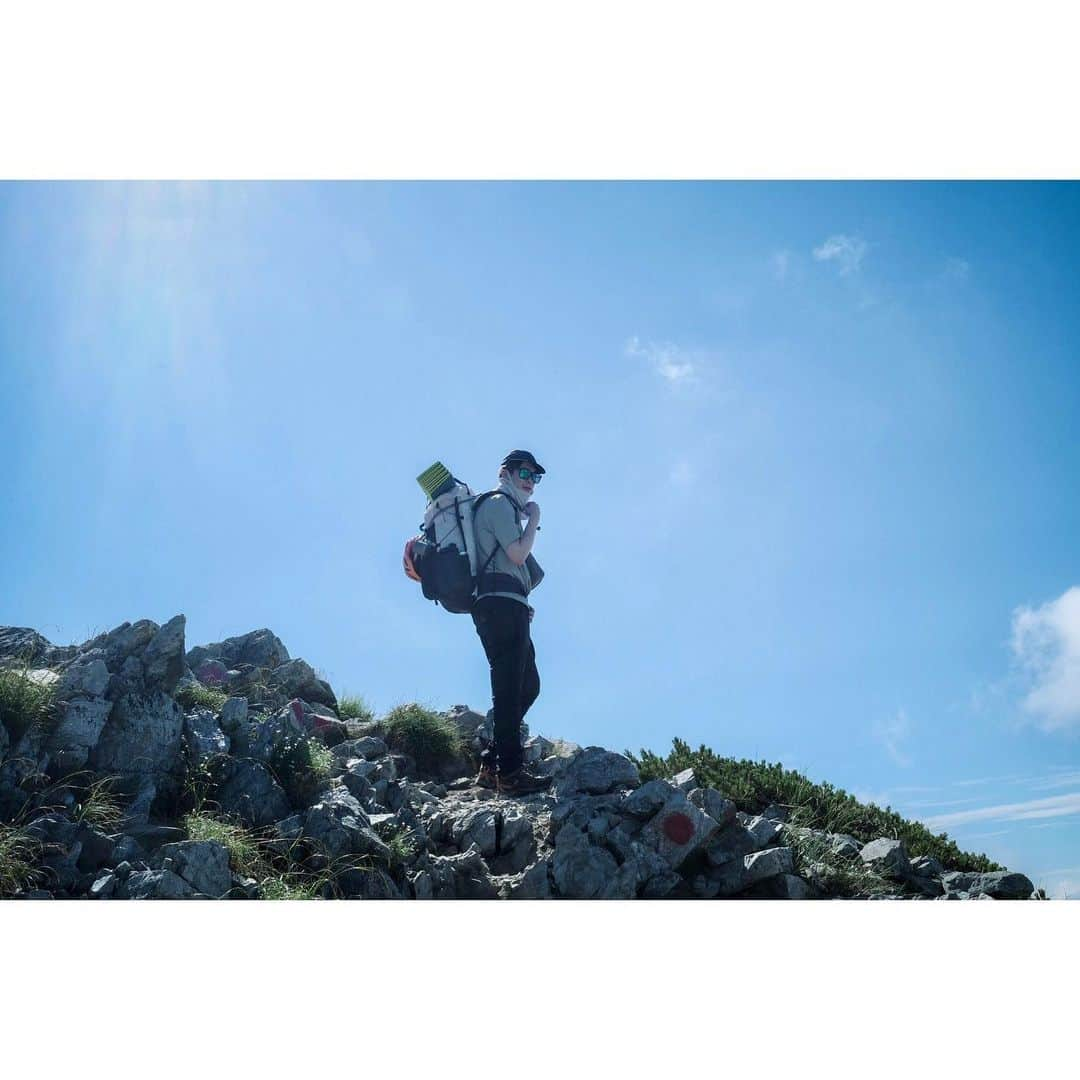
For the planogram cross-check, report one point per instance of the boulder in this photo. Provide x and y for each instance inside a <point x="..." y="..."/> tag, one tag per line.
<point x="81" y="722"/>
<point x="582" y="871"/>
<point x="141" y="735"/>
<point x="764" y="830"/>
<point x="163" y="658"/>
<point x="476" y="827"/>
<point x="531" y="884"/>
<point x="730" y="844"/>
<point x="887" y="857"/>
<point x="926" y="866"/>
<point x="461" y="877"/>
<point x="781" y="887"/>
<point x="1001" y="885"/>
<point x="234" y="724"/>
<point x="156" y="885"/>
<point x="83" y="677"/>
<point x="367" y="747"/>
<point x="720" y="809"/>
<point x="203" y="736"/>
<point x="679" y="829"/>
<point x="203" y="864"/>
<point x="248" y="790"/>
<point x="20" y="644"/>
<point x="296" y="678"/>
<point x="684" y="780"/>
<point x="259" y="648"/>
<point x="648" y="799"/>
<point x="339" y="824"/>
<point x="596" y="771"/>
<point x="125" y="642"/>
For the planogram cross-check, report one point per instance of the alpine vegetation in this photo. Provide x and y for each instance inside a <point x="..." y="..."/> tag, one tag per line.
<point x="134" y="768"/>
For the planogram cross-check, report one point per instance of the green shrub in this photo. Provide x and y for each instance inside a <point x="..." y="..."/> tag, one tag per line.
<point x="300" y="765"/>
<point x="753" y="785"/>
<point x="18" y="856"/>
<point x="191" y="696"/>
<point x="352" y="707"/>
<point x="838" y="875"/>
<point x="424" y="735"/>
<point x="24" y="702"/>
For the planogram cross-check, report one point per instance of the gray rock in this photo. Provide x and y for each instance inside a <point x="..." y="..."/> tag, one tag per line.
<point x="141" y="735"/>
<point x="678" y="830"/>
<point x="764" y="830"/>
<point x="461" y="877"/>
<point x="157" y="885"/>
<point x="532" y="884"/>
<point x="234" y="723"/>
<point x="259" y="648"/>
<point x="720" y="809"/>
<point x="97" y="848"/>
<point x="684" y="780"/>
<point x="77" y="733"/>
<point x="339" y="824"/>
<point x="781" y="887"/>
<point x="83" y="677"/>
<point x="582" y="871"/>
<point x="203" y="864"/>
<point x="956" y="881"/>
<point x="367" y="883"/>
<point x="476" y="827"/>
<point x="730" y="844"/>
<point x="163" y="658"/>
<point x="926" y="866"/>
<point x="761" y="865"/>
<point x="203" y="736"/>
<point x="23" y="644"/>
<point x="776" y="812"/>
<point x="103" y="887"/>
<point x="296" y="678"/>
<point x="368" y="747"/>
<point x="248" y="790"/>
<point x="847" y="847"/>
<point x="648" y="799"/>
<point x="886" y="856"/>
<point x="125" y="641"/>
<point x="596" y="771"/>
<point x="1002" y="885"/>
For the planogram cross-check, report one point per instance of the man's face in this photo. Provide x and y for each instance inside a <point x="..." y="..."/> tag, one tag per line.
<point x="525" y="485"/>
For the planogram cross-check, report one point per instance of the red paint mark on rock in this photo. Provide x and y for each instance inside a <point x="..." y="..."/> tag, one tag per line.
<point x="678" y="828"/>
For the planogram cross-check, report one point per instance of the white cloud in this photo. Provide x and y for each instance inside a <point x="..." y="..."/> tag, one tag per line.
<point x="1046" y="645"/>
<point x="846" y="251"/>
<point x="891" y="733"/>
<point x="1055" y="806"/>
<point x="667" y="360"/>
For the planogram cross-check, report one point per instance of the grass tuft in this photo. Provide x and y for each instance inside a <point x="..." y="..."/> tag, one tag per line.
<point x="191" y="696"/>
<point x="18" y="858"/>
<point x="354" y="707"/>
<point x="300" y="765"/>
<point x="24" y="702"/>
<point x="423" y="734"/>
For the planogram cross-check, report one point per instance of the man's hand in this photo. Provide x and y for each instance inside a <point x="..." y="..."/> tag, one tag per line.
<point x="533" y="511"/>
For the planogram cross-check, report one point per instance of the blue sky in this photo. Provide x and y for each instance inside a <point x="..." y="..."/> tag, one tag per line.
<point x="810" y="450"/>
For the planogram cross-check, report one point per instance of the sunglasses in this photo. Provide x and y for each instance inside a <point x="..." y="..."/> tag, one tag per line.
<point x="527" y="474"/>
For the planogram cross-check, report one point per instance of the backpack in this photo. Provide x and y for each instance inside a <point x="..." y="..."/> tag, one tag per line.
<point x="442" y="556"/>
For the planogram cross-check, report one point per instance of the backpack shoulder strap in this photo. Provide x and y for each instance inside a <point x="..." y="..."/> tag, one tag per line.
<point x="495" y="550"/>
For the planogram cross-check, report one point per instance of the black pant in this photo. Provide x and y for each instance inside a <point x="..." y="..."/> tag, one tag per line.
<point x="503" y="626"/>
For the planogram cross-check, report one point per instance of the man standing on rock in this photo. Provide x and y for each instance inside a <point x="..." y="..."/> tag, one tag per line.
<point x="502" y="614"/>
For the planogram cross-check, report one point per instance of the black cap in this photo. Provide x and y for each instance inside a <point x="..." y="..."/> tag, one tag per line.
<point x="526" y="457"/>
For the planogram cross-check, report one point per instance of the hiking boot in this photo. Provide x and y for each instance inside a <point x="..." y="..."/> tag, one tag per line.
<point x="486" y="778"/>
<point x="522" y="782"/>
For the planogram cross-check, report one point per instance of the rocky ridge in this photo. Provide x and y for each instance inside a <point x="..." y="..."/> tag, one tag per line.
<point x="131" y="708"/>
